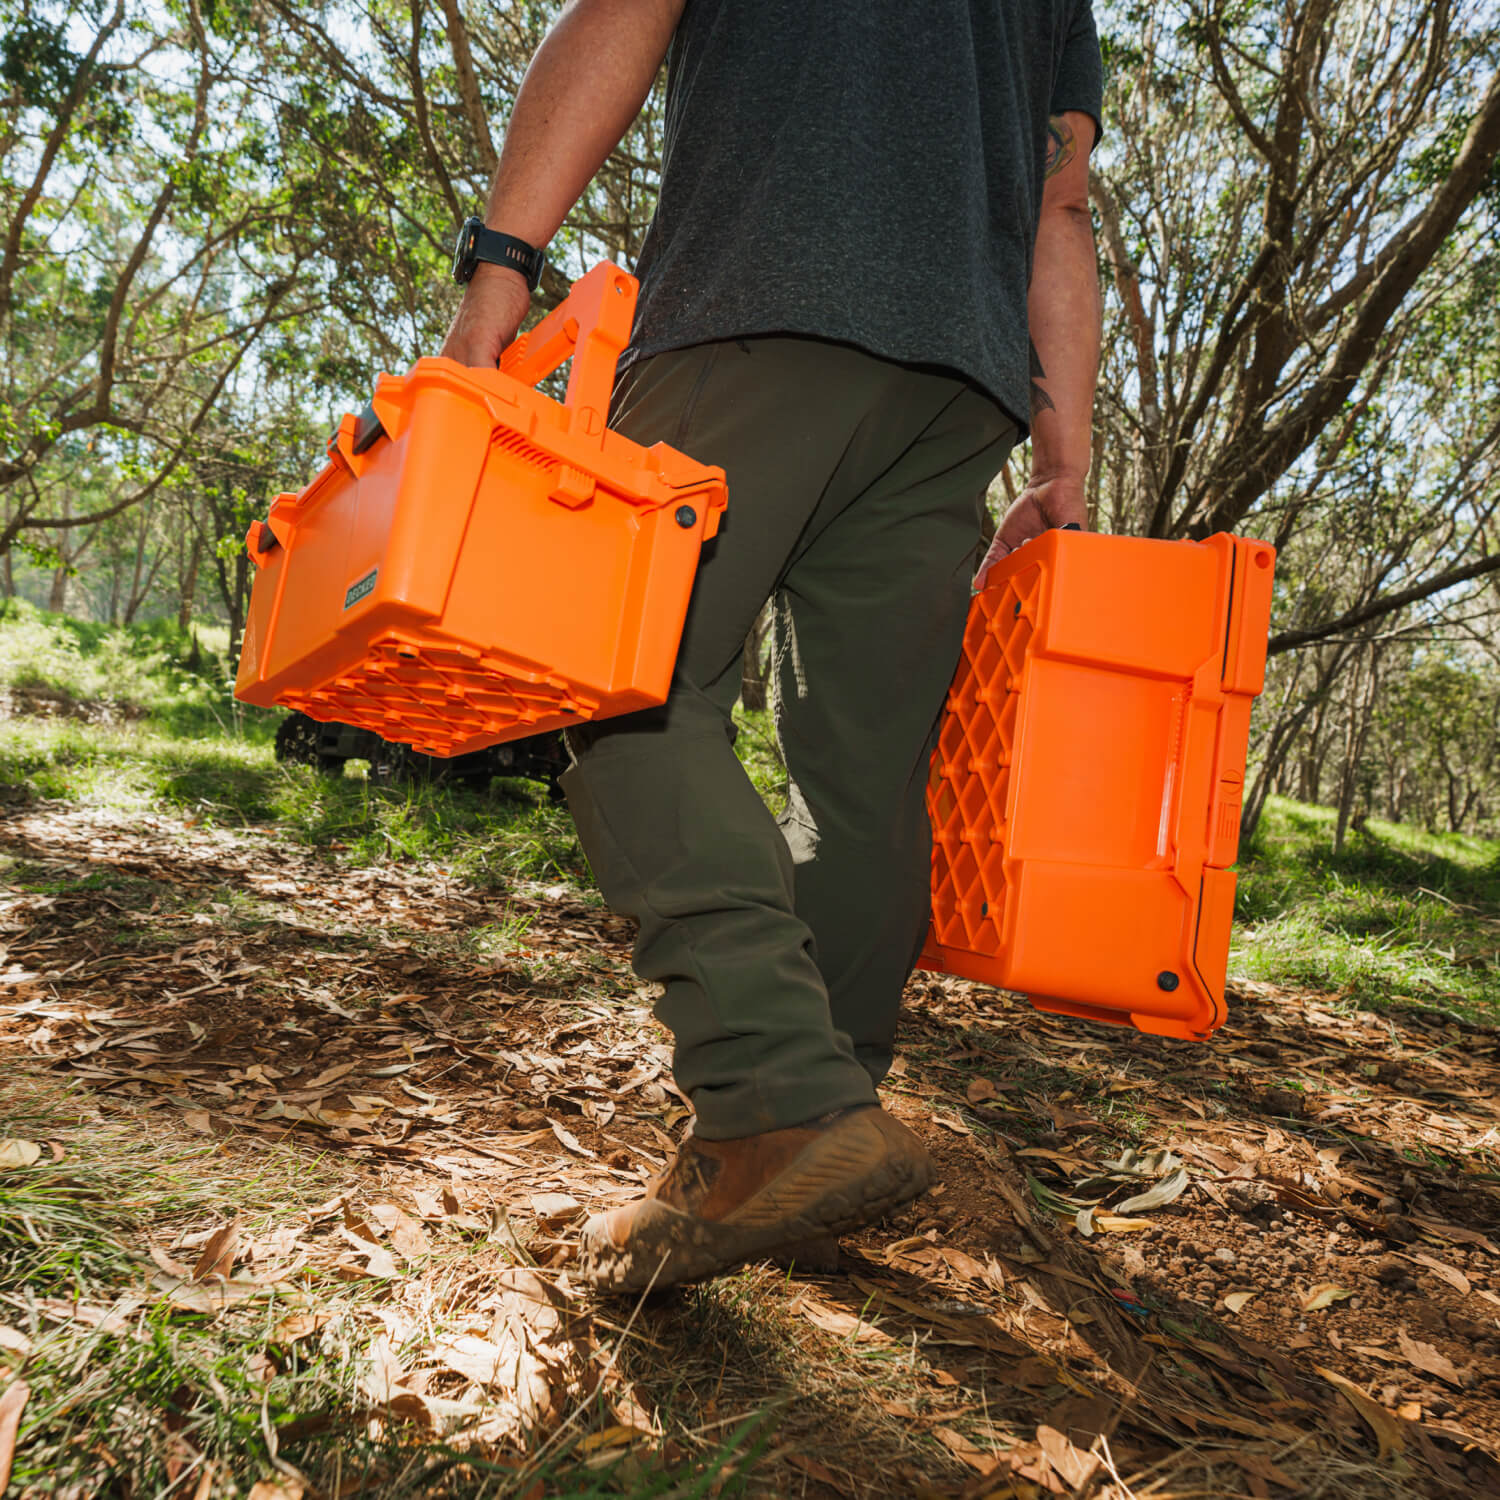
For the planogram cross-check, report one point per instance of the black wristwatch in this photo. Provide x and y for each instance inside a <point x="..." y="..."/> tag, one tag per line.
<point x="476" y="243"/>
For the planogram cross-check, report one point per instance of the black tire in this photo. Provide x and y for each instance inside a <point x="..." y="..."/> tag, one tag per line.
<point x="297" y="740"/>
<point x="390" y="765"/>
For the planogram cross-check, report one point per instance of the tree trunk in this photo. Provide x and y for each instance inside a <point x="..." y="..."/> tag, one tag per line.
<point x="57" y="600"/>
<point x="132" y="598"/>
<point x="1363" y="694"/>
<point x="238" y="598"/>
<point x="187" y="583"/>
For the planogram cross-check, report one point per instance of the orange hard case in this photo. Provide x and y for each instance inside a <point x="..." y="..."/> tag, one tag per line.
<point x="1085" y="791"/>
<point x="479" y="562"/>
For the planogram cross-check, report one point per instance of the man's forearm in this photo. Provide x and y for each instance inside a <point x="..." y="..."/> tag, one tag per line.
<point x="1063" y="309"/>
<point x="584" y="86"/>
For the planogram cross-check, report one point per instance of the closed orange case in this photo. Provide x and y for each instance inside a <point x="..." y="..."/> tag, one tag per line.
<point x="479" y="562"/>
<point x="1085" y="791"/>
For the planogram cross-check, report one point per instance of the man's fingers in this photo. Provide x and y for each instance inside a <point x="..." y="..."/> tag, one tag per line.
<point x="1023" y="521"/>
<point x="998" y="549"/>
<point x="487" y="320"/>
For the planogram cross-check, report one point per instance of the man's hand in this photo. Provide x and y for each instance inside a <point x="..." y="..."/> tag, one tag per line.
<point x="1041" y="506"/>
<point x="488" y="318"/>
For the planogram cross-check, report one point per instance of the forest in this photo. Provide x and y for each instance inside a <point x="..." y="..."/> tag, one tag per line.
<point x="311" y="1077"/>
<point x="220" y="223"/>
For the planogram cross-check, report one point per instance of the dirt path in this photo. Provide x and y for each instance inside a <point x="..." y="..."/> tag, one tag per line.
<point x="1307" y="1302"/>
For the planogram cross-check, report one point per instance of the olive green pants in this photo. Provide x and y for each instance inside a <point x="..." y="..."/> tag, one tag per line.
<point x="855" y="495"/>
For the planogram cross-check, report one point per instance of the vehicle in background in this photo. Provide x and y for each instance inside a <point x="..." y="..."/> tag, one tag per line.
<point x="304" y="741"/>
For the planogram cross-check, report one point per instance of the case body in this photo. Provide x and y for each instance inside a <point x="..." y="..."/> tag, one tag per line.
<point x="478" y="562"/>
<point x="1086" y="787"/>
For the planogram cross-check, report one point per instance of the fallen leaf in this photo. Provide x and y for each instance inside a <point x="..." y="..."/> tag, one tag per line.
<point x="379" y="1262"/>
<point x="299" y="1325"/>
<point x="13" y="1340"/>
<point x="1235" y="1301"/>
<point x="276" y="1489"/>
<point x="1168" y="1190"/>
<point x="979" y="1090"/>
<point x="570" y="1141"/>
<point x="957" y="1444"/>
<point x="11" y="1404"/>
<point x="218" y="1254"/>
<point x="383" y="1378"/>
<point x="211" y="1297"/>
<point x="1325" y="1294"/>
<point x="328" y="1075"/>
<point x="835" y="1321"/>
<point x="17" y="1153"/>
<point x="814" y="1470"/>
<point x="1454" y="1277"/>
<point x="407" y="1235"/>
<point x="554" y="1208"/>
<point x="1390" y="1436"/>
<point x="1074" y="1467"/>
<point x="1116" y="1224"/>
<point x="477" y="1359"/>
<point x="1427" y="1358"/>
<point x="950" y="1121"/>
<point x="1262" y="1467"/>
<point x="612" y="1437"/>
<point x="165" y="1261"/>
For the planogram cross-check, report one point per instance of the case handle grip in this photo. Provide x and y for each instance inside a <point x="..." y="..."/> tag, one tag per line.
<point x="593" y="326"/>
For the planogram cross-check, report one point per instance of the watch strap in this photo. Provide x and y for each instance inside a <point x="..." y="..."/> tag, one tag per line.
<point x="477" y="243"/>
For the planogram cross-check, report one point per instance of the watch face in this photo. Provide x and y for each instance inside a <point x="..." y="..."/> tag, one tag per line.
<point x="463" y="252"/>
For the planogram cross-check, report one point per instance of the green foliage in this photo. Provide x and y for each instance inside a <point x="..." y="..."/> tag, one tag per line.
<point x="177" y="680"/>
<point x="1398" y="916"/>
<point x="761" y="757"/>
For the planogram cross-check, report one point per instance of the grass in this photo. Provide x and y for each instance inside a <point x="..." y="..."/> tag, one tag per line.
<point x="1400" y="916"/>
<point x="756" y="747"/>
<point x="191" y="750"/>
<point x="179" y="681"/>
<point x="133" y="1389"/>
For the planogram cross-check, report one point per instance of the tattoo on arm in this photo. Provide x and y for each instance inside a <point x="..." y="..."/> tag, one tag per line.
<point x="1062" y="145"/>
<point x="1040" y="400"/>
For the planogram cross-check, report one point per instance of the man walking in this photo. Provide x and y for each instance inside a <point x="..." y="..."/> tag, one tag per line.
<point x="871" y="267"/>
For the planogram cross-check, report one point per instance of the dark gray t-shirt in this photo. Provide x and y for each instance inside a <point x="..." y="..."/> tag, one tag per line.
<point x="862" y="170"/>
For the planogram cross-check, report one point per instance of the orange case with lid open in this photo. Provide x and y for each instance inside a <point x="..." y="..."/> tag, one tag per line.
<point x="1085" y="791"/>
<point x="479" y="562"/>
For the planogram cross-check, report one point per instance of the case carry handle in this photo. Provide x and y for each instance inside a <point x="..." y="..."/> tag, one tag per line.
<point x="593" y="326"/>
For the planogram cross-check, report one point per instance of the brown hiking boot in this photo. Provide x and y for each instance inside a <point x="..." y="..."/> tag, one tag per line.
<point x="820" y="1256"/>
<point x="724" y="1202"/>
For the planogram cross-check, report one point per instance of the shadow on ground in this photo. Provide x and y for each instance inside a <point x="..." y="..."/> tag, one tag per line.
<point x="1262" y="1266"/>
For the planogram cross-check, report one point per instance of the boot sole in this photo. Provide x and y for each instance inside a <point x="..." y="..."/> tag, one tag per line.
<point x="831" y="1188"/>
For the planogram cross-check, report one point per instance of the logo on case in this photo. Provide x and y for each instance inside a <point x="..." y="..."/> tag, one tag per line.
<point x="361" y="588"/>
